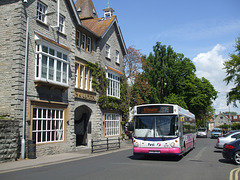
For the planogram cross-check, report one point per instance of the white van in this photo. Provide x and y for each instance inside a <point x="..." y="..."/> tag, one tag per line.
<point x="202" y="132"/>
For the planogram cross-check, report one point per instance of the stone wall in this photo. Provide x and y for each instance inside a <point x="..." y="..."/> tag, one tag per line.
<point x="9" y="140"/>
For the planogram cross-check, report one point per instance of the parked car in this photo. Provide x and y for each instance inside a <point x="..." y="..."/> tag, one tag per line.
<point x="230" y="132"/>
<point x="229" y="138"/>
<point x="202" y="132"/>
<point x="231" y="151"/>
<point x="216" y="132"/>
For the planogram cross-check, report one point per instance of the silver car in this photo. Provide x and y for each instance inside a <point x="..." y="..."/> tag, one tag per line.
<point x="216" y="132"/>
<point x="202" y="132"/>
<point x="230" y="137"/>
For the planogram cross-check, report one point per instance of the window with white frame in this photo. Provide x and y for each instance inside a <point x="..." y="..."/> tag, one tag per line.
<point x="41" y="11"/>
<point x="90" y="80"/>
<point x="84" y="42"/>
<point x="89" y="45"/>
<point x="107" y="48"/>
<point x="112" y="124"/>
<point x="117" y="57"/>
<point x="78" y="39"/>
<point x="113" y="85"/>
<point x="76" y="75"/>
<point x="47" y="125"/>
<point x="86" y="79"/>
<point x="83" y="77"/>
<point x="61" y="27"/>
<point x="51" y="64"/>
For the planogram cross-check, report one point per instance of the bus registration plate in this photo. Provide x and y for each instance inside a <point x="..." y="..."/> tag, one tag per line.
<point x="154" y="152"/>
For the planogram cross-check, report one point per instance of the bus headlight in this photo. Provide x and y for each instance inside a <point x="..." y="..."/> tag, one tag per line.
<point x="136" y="144"/>
<point x="172" y="144"/>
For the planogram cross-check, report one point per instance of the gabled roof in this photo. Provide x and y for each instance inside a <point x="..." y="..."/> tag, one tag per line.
<point x="100" y="26"/>
<point x="73" y="10"/>
<point x="86" y="9"/>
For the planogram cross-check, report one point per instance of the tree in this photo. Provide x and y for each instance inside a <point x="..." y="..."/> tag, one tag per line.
<point x="156" y="69"/>
<point x="171" y="78"/>
<point x="232" y="67"/>
<point x="166" y="72"/>
<point x="140" y="91"/>
<point x="199" y="94"/>
<point x="132" y="63"/>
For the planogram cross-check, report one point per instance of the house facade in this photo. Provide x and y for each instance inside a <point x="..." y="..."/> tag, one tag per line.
<point x="221" y="119"/>
<point x="53" y="98"/>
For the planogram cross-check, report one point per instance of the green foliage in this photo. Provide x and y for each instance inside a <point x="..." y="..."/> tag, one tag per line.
<point x="199" y="94"/>
<point x="100" y="83"/>
<point x="200" y="123"/>
<point x="170" y="77"/>
<point x="140" y="91"/>
<point x="224" y="126"/>
<point x="175" y="99"/>
<point x="232" y="67"/>
<point x="235" y="126"/>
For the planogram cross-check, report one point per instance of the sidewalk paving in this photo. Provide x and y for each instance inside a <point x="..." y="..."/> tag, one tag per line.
<point x="84" y="152"/>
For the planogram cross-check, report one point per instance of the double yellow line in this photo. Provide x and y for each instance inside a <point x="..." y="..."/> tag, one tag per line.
<point x="234" y="174"/>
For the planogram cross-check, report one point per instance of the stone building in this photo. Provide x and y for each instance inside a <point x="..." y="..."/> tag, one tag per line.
<point x="54" y="102"/>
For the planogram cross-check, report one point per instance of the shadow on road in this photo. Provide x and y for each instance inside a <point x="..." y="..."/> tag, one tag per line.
<point x="217" y="151"/>
<point x="226" y="161"/>
<point x="156" y="158"/>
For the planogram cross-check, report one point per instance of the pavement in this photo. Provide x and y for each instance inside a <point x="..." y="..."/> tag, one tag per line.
<point x="82" y="153"/>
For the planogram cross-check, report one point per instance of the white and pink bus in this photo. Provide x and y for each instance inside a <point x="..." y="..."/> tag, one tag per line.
<point x="163" y="129"/>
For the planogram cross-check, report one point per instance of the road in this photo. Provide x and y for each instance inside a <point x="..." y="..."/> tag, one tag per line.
<point x="202" y="163"/>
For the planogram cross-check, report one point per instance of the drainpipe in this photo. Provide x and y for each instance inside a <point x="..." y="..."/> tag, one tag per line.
<point x="23" y="142"/>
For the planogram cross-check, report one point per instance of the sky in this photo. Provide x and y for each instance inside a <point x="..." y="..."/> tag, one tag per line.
<point x="205" y="31"/>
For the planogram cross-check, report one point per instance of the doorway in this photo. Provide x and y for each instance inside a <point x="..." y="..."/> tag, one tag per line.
<point x="81" y="121"/>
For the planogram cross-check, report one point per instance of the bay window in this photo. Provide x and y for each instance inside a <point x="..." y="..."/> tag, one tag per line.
<point x="51" y="64"/>
<point x="113" y="85"/>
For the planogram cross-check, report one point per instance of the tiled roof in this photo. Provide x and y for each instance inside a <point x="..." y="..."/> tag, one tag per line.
<point x="116" y="71"/>
<point x="87" y="9"/>
<point x="53" y="42"/>
<point x="98" y="25"/>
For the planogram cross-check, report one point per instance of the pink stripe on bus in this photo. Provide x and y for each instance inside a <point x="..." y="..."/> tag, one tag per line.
<point x="161" y="150"/>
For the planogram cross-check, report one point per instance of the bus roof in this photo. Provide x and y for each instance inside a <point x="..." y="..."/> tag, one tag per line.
<point x="175" y="110"/>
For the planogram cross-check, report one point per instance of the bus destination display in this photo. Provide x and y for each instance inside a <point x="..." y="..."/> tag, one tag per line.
<point x="155" y="109"/>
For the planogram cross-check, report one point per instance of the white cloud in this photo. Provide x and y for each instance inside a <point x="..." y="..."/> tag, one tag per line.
<point x="210" y="66"/>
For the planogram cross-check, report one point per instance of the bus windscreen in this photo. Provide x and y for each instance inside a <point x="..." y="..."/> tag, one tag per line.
<point x="155" y="126"/>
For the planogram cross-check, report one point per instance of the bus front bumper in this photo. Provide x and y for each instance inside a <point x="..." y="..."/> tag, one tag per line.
<point x="170" y="151"/>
